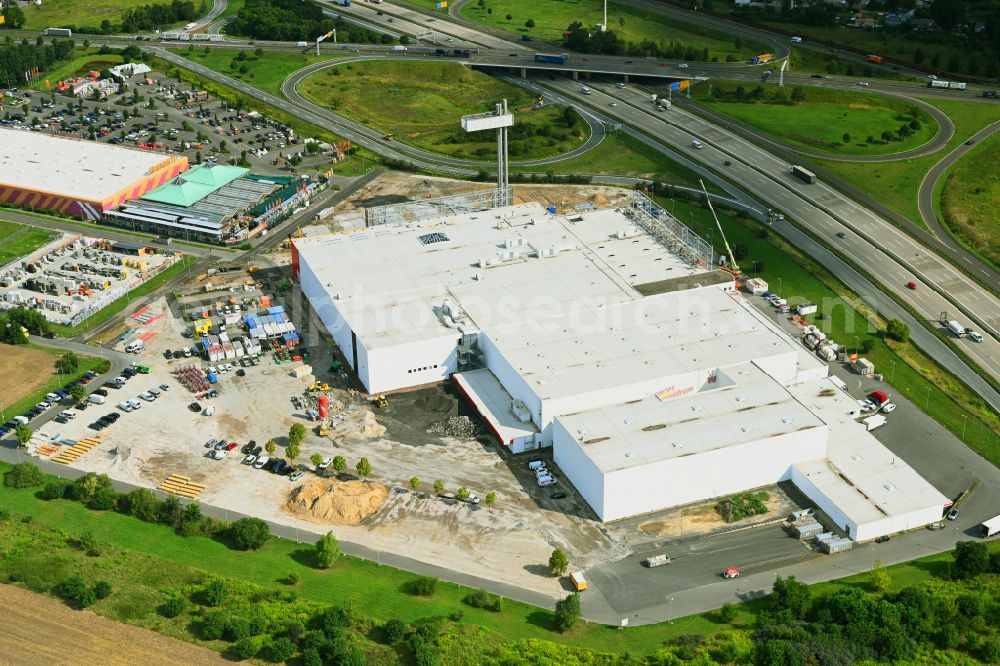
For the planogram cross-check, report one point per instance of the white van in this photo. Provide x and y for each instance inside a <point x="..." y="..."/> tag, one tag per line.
<point x="68" y="414"/>
<point x="697" y="144"/>
<point x="96" y="399"/>
<point x="975" y="336"/>
<point x="585" y="90"/>
<point x="21" y="420"/>
<point x="135" y="347"/>
<point x="796" y="40"/>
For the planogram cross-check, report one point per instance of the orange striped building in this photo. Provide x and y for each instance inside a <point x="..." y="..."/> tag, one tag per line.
<point x="77" y="177"/>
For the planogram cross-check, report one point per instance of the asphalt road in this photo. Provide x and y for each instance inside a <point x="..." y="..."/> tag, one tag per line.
<point x="218" y="6"/>
<point x="875" y="245"/>
<point x="925" y="196"/>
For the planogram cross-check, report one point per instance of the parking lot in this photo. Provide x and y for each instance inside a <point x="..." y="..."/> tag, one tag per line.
<point x="157" y="112"/>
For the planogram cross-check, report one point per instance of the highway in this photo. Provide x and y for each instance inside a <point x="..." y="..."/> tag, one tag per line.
<point x="874" y="245"/>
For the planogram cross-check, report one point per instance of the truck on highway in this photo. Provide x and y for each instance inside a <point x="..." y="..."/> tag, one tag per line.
<point x="550" y="57"/>
<point x="957" y="329"/>
<point x="990" y="527"/>
<point x="951" y="85"/>
<point x="58" y="32"/>
<point x="877" y="59"/>
<point x="804" y="174"/>
<point x="873" y="422"/>
<point x="301" y="44"/>
<point x="761" y="59"/>
<point x="342" y="3"/>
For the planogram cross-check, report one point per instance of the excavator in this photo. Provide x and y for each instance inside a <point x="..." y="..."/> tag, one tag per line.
<point x="733" y="269"/>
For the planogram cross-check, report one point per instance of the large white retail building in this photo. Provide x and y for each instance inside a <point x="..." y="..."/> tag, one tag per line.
<point x="644" y="368"/>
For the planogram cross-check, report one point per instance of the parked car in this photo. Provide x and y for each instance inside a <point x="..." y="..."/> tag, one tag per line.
<point x="219" y="455"/>
<point x="882" y="539"/>
<point x="164" y="387"/>
<point x="247" y="448"/>
<point x="135" y="404"/>
<point x="325" y="463"/>
<point x="210" y="444"/>
<point x="194" y="407"/>
<point x="953" y="514"/>
<point x="279" y="466"/>
<point x="148" y="397"/>
<point x="250" y="459"/>
<point x="295" y="476"/>
<point x="124" y="406"/>
<point x="231" y="445"/>
<point x="888" y="407"/>
<point x="260" y="462"/>
<point x="219" y="445"/>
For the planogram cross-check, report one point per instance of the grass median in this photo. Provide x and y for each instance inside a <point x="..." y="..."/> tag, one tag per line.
<point x="969" y="196"/>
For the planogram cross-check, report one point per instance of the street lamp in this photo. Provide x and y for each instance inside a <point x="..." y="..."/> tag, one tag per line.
<point x="964" y="422"/>
<point x="928" y="403"/>
<point x="857" y="345"/>
<point x="892" y="370"/>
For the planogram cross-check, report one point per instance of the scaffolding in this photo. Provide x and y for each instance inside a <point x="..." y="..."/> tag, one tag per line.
<point x="456" y="204"/>
<point x="668" y="230"/>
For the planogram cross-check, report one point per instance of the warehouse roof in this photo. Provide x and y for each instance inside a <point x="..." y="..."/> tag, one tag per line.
<point x="861" y="476"/>
<point x="87" y="170"/>
<point x="490" y="265"/>
<point x="195" y="184"/>
<point x="740" y="407"/>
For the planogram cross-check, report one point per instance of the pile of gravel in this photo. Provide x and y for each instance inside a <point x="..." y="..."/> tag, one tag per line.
<point x="461" y="427"/>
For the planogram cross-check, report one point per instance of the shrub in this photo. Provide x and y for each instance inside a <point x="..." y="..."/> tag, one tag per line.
<point x="24" y="475"/>
<point x="485" y="600"/>
<point x="53" y="490"/>
<point x="249" y="533"/>
<point x="897" y="330"/>
<point x="567" y="612"/>
<point x="104" y="499"/>
<point x="215" y="592"/>
<point x="393" y="631"/>
<point x="214" y="624"/>
<point x="281" y="649"/>
<point x="173" y="606"/>
<point x="745" y="505"/>
<point x="238" y="628"/>
<point x="246" y="648"/>
<point x="422" y="586"/>
<point x="75" y="591"/>
<point x="336" y="617"/>
<point x="558" y="562"/>
<point x="327" y="551"/>
<point x="142" y="504"/>
<point x="102" y="589"/>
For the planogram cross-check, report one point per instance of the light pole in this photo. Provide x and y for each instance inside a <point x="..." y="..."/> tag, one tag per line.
<point x="780" y="283"/>
<point x="965" y="420"/>
<point x="892" y="370"/>
<point x="927" y="404"/>
<point x="857" y="344"/>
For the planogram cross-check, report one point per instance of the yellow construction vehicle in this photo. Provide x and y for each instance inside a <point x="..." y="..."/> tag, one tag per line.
<point x="380" y="401"/>
<point x="319" y="386"/>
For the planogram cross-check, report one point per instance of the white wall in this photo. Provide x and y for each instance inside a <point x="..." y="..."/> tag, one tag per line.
<point x="693" y="478"/>
<point x="782" y="367"/>
<point x="510" y="379"/>
<point x="581" y="470"/>
<point x="326" y="309"/>
<point x="388" y="368"/>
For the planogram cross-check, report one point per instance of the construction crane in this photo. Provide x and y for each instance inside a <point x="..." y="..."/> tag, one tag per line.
<point x="735" y="270"/>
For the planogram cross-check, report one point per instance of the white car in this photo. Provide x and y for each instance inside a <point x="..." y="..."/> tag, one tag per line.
<point x="148" y="397"/>
<point x="975" y="336"/>
<point x="227" y="367"/>
<point x="42" y="405"/>
<point x="212" y="369"/>
<point x="209" y="410"/>
<point x="53" y="398"/>
<point x="867" y="405"/>
<point x="864" y="84"/>
<point x="613" y="104"/>
<point x="219" y="454"/>
<point x="325" y="463"/>
<point x="260" y="462"/>
<point x="683" y="65"/>
<point x="888" y="407"/>
<point x="932" y="77"/>
<point x="546" y="481"/>
<point x="250" y="459"/>
<point x="68" y="414"/>
<point x="124" y="406"/>
<point x="620" y="85"/>
<point x="135" y="404"/>
<point x="472" y="499"/>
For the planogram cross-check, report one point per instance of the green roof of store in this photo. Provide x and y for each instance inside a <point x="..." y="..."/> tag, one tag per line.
<point x="195" y="184"/>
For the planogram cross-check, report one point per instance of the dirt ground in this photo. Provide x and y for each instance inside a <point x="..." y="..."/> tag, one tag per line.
<point x="40" y="630"/>
<point x="704" y="519"/>
<point x="397" y="187"/>
<point x="24" y="370"/>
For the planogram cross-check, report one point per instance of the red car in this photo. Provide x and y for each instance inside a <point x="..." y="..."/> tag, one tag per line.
<point x="911" y="285"/>
<point x="84" y="380"/>
<point x="230" y="446"/>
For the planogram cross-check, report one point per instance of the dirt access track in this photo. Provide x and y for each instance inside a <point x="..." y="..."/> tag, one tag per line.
<point x="40" y="630"/>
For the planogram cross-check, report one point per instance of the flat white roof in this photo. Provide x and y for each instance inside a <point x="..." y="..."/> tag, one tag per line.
<point x="494" y="404"/>
<point x="749" y="406"/>
<point x="69" y="167"/>
<point x="862" y="477"/>
<point x="512" y="264"/>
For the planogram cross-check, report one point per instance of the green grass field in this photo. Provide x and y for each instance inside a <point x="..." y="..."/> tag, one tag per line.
<point x="621" y="155"/>
<point x="56" y="381"/>
<point x="970" y="198"/>
<point x="265" y="72"/>
<point x="84" y="61"/>
<point x="631" y="25"/>
<point x="897" y="183"/>
<point x="819" y="123"/>
<point x="17" y="240"/>
<point x="90" y="13"/>
<point x="911" y="373"/>
<point x="422" y="104"/>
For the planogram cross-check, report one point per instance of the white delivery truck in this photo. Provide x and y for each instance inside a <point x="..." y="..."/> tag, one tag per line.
<point x="873" y="422"/>
<point x="956" y="329"/>
<point x="657" y="561"/>
<point x="990" y="527"/>
<point x="96" y="399"/>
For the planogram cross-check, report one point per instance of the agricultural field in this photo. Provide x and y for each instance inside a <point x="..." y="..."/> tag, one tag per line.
<point x="824" y="120"/>
<point x="970" y="198"/>
<point x="422" y="104"/>
<point x="550" y="20"/>
<point x="897" y="183"/>
<point x="17" y="240"/>
<point x="30" y="373"/>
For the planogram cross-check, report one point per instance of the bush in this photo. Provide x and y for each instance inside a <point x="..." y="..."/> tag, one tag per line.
<point x="143" y="504"/>
<point x="249" y="533"/>
<point x="745" y="505"/>
<point x="558" y="562"/>
<point x="567" y="612"/>
<point x="337" y="617"/>
<point x="310" y="656"/>
<point x="214" y="624"/>
<point x="393" y="631"/>
<point x="897" y="330"/>
<point x="282" y="649"/>
<point x="246" y="648"/>
<point x="485" y="600"/>
<point x="238" y="628"/>
<point x="75" y="591"/>
<point x="173" y="606"/>
<point x="53" y="490"/>
<point x="215" y="592"/>
<point x="327" y="551"/>
<point x="422" y="586"/>
<point x="104" y="499"/>
<point x="24" y="475"/>
<point x="102" y="589"/>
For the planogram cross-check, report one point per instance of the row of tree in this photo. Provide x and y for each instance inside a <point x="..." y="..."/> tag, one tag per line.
<point x="18" y="58"/>
<point x="151" y="17"/>
<point x="579" y="38"/>
<point x="294" y="20"/>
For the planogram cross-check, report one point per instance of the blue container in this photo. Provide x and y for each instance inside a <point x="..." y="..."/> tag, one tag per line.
<point x="212" y="378"/>
<point x="551" y="209"/>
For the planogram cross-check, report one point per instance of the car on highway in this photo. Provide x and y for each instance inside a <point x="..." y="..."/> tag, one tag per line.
<point x="620" y="85"/>
<point x="975" y="336"/>
<point x="683" y="65"/>
<point x="841" y="235"/>
<point x="911" y="285"/>
<point x="863" y="84"/>
<point x="969" y="142"/>
<point x="613" y="103"/>
<point x="697" y="144"/>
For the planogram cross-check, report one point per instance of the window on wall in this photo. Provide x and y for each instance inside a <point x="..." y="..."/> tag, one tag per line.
<point x="426" y="367"/>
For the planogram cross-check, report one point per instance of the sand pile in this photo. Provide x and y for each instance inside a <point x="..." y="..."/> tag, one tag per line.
<point x="369" y="427"/>
<point x="335" y="502"/>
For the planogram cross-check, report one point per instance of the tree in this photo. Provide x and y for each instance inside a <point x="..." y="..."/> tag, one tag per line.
<point x="509" y="17"/>
<point x="727" y="613"/>
<point x="897" y="330"/>
<point x="24" y="475"/>
<point x="68" y="363"/>
<point x="948" y="13"/>
<point x="490" y="498"/>
<point x="316" y="459"/>
<point x="102" y="589"/>
<point x="270" y="447"/>
<point x="881" y="580"/>
<point x="439" y="486"/>
<point x="23" y="434"/>
<point x="364" y="468"/>
<point x="143" y="505"/>
<point x="789" y="594"/>
<point x="339" y="463"/>
<point x="293" y="451"/>
<point x="327" y="551"/>
<point x="463" y="493"/>
<point x="567" y="612"/>
<point x="78" y="392"/>
<point x="530" y="23"/>
<point x="249" y="533"/>
<point x="846" y="138"/>
<point x="296" y="433"/>
<point x="173" y="606"/>
<point x="971" y="559"/>
<point x="13" y="17"/>
<point x="558" y="562"/>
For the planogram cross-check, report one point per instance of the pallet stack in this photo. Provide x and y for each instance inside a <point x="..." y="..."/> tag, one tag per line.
<point x="181" y="486"/>
<point x="71" y="454"/>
